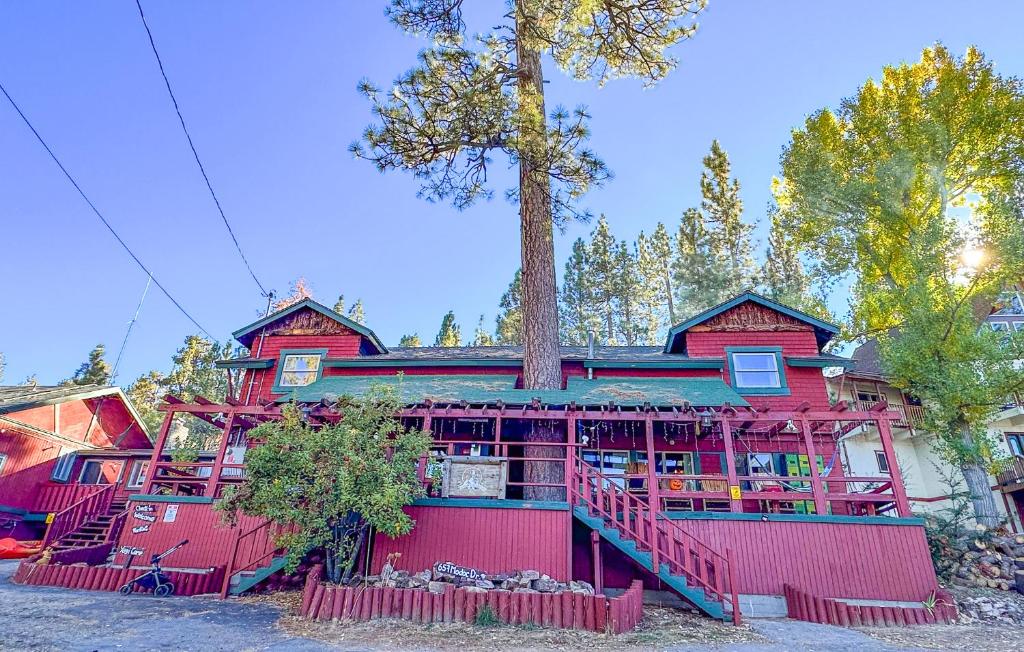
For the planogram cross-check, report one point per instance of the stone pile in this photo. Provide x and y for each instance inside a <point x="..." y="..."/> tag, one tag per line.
<point x="985" y="560"/>
<point x="524" y="581"/>
<point x="989" y="606"/>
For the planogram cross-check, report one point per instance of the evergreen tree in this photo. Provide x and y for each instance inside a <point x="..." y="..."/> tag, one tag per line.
<point x="698" y="274"/>
<point x="631" y="324"/>
<point x="655" y="258"/>
<point x="604" y="277"/>
<point x="783" y="278"/>
<point x="146" y="394"/>
<point x="471" y="98"/>
<point x="356" y="314"/>
<point x="509" y="322"/>
<point x="94" y="372"/>
<point x="410" y="340"/>
<point x="576" y="306"/>
<point x="723" y="212"/>
<point x="482" y="337"/>
<point x="450" y="333"/>
<point x="339" y="305"/>
<point x="194" y="372"/>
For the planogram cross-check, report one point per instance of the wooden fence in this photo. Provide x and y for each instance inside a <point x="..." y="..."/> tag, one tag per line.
<point x="558" y="610"/>
<point x="111" y="578"/>
<point x="800" y="605"/>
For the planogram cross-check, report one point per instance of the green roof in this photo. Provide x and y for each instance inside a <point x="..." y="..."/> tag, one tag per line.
<point x="243" y="334"/>
<point x="480" y="389"/>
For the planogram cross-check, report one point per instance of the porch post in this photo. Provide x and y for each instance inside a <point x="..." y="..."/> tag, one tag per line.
<point x="158" y="449"/>
<point x="735" y="504"/>
<point x="653" y="493"/>
<point x="817" y="488"/>
<point x="421" y="469"/>
<point x="899" y="492"/>
<point x="570" y="488"/>
<point x="595" y="552"/>
<point x="218" y="462"/>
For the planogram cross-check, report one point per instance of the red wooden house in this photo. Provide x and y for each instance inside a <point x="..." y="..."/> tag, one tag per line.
<point x="60" y="446"/>
<point x="707" y="467"/>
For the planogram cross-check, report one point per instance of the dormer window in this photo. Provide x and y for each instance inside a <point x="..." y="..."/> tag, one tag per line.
<point x="755" y="370"/>
<point x="299" y="368"/>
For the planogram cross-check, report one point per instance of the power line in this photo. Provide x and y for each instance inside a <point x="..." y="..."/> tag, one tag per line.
<point x="195" y="154"/>
<point x="100" y="215"/>
<point x="135" y="318"/>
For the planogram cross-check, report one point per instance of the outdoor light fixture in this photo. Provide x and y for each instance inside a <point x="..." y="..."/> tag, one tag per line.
<point x="790" y="428"/>
<point x="705" y="418"/>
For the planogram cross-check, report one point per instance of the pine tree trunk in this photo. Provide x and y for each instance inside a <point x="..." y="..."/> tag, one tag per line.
<point x="976" y="476"/>
<point x="542" y="367"/>
<point x="542" y="358"/>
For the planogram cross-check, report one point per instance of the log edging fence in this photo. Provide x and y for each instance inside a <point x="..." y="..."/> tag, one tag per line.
<point x="565" y="610"/>
<point x="800" y="605"/>
<point x="111" y="578"/>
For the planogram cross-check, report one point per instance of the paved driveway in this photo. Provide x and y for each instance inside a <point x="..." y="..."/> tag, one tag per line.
<point x="43" y="618"/>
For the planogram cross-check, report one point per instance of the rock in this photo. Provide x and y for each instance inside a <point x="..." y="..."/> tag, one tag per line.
<point x="387" y="570"/>
<point x="475" y="589"/>
<point x="436" y="587"/>
<point x="485" y="585"/>
<point x="525" y="590"/>
<point x="530" y="575"/>
<point x="544" y="585"/>
<point x="581" y="587"/>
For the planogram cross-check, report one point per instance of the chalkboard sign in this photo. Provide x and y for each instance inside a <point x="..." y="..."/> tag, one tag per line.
<point x="474" y="477"/>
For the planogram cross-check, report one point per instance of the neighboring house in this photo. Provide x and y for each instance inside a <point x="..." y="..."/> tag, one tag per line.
<point x="59" y="445"/>
<point x="926" y="476"/>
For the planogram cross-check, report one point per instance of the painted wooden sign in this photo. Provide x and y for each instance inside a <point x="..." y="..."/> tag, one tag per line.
<point x="139" y="529"/>
<point x="474" y="477"/>
<point x="130" y="550"/>
<point x="448" y="568"/>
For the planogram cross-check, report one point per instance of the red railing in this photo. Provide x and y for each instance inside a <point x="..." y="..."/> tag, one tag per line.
<point x="1012" y="473"/>
<point x="252" y="548"/>
<point x="55" y="497"/>
<point x="78" y="514"/>
<point x="668" y="542"/>
<point x="116" y="525"/>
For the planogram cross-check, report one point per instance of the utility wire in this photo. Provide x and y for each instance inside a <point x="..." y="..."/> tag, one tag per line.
<point x="195" y="154"/>
<point x="100" y="215"/>
<point x="135" y="318"/>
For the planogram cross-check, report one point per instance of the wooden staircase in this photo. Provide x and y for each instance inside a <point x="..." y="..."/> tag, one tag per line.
<point x="254" y="557"/>
<point x="97" y="529"/>
<point x="694" y="570"/>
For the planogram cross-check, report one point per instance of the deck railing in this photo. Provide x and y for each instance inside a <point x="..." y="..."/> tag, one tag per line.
<point x="78" y="514"/>
<point x="1012" y="473"/>
<point x="56" y="497"/>
<point x="561" y="454"/>
<point x="912" y="415"/>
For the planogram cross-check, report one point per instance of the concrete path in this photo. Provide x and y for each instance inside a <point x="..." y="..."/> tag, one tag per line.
<point x="42" y="618"/>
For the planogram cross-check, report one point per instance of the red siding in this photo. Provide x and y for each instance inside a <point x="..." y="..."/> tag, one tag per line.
<point x="210" y="539"/>
<point x="831" y="560"/>
<point x="488" y="539"/>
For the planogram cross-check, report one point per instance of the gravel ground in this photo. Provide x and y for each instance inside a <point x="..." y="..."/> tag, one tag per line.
<point x="40" y="618"/>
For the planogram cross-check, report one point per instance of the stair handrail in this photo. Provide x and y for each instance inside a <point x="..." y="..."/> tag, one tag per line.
<point x="116" y="525"/>
<point x="77" y="514"/>
<point x="233" y="568"/>
<point x="699" y="563"/>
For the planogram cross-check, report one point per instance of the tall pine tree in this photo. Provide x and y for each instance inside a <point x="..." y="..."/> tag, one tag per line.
<point x="654" y="259"/>
<point x="783" y="278"/>
<point x="604" y="277"/>
<point x="94" y="372"/>
<point x="509" y="322"/>
<point x="412" y="340"/>
<point x="723" y="212"/>
<point x="450" y="333"/>
<point x="576" y="301"/>
<point x="482" y="337"/>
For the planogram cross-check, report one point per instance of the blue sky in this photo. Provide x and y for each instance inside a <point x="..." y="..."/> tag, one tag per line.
<point x="269" y="92"/>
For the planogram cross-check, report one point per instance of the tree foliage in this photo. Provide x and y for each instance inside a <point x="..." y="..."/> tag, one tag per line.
<point x="509" y="322"/>
<point x="481" y="336"/>
<point x="329" y="483"/>
<point x="450" y="333"/>
<point x="470" y="98"/>
<point x="95" y="371"/>
<point x="410" y="340"/>
<point x="892" y="189"/>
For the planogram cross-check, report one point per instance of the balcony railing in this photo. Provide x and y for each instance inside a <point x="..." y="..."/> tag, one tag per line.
<point x="912" y="416"/>
<point x="1012" y="474"/>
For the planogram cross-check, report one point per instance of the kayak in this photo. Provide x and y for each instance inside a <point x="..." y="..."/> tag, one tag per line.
<point x="14" y="549"/>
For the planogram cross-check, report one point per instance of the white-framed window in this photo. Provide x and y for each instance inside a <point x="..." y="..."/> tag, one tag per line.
<point x="299" y="369"/>
<point x="760" y="464"/>
<point x="136" y="477"/>
<point x="756" y="369"/>
<point x="62" y="466"/>
<point x="3" y="463"/>
<point x="92" y="473"/>
<point x="1018" y="326"/>
<point x="1000" y="326"/>
<point x="883" y="463"/>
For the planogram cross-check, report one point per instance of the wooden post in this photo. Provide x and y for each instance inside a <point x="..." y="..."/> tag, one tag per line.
<point x="735" y="504"/>
<point x="595" y="550"/>
<point x="421" y="471"/>
<point x="158" y="449"/>
<point x="653" y="495"/>
<point x="570" y="485"/>
<point x="898" y="490"/>
<point x="817" y="488"/>
<point x="218" y="462"/>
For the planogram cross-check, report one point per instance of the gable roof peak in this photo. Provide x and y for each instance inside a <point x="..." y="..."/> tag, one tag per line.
<point x="675" y="342"/>
<point x="243" y="334"/>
